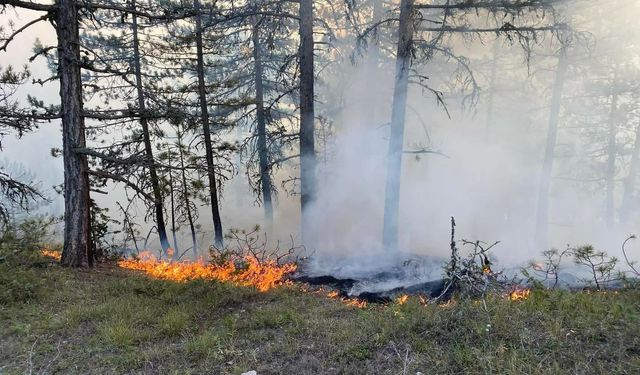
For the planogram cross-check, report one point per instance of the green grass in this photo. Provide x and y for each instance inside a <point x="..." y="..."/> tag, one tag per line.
<point x="107" y="320"/>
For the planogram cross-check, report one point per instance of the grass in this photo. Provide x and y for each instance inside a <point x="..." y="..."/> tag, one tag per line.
<point x="109" y="320"/>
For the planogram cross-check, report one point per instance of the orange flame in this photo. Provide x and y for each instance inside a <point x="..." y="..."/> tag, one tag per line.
<point x="262" y="275"/>
<point x="354" y="302"/>
<point x="55" y="255"/>
<point x="518" y="294"/>
<point x="402" y="299"/>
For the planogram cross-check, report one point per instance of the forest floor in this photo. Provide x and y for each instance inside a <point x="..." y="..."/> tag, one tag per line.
<point x="108" y="320"/>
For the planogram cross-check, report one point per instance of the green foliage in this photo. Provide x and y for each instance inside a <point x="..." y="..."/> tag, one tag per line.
<point x="602" y="268"/>
<point x="100" y="230"/>
<point x="21" y="239"/>
<point x="20" y="243"/>
<point x="18" y="284"/>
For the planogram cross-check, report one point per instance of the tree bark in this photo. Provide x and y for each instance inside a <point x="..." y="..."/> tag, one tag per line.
<point x="307" y="118"/>
<point x="398" y="114"/>
<point x="204" y="118"/>
<point x="76" y="176"/>
<point x="611" y="157"/>
<point x="263" y="151"/>
<point x="186" y="197"/>
<point x="542" y="215"/>
<point x="176" y="248"/>
<point x="144" y="123"/>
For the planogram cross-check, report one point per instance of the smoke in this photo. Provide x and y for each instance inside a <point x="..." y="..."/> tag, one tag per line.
<point x="485" y="174"/>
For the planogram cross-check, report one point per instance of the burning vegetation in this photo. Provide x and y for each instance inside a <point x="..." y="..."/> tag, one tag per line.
<point x="55" y="255"/>
<point x="518" y="294"/>
<point x="247" y="270"/>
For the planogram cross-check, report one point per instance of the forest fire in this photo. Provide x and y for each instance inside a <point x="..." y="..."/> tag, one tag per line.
<point x="353" y="302"/>
<point x="402" y="299"/>
<point x="519" y="294"/>
<point x="55" y="255"/>
<point x="263" y="275"/>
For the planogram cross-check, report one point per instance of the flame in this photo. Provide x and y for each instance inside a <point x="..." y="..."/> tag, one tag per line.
<point x="354" y="302"/>
<point x="262" y="275"/>
<point x="402" y="299"/>
<point x="56" y="255"/>
<point x="518" y="294"/>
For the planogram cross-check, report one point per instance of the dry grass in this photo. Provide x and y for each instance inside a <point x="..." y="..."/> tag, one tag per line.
<point x="55" y="320"/>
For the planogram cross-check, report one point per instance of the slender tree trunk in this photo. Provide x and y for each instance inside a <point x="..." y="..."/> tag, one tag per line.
<point x="307" y="118"/>
<point x="76" y="177"/>
<point x="186" y="197"/>
<point x="396" y="140"/>
<point x="263" y="151"/>
<point x="144" y="123"/>
<point x="492" y="82"/>
<point x="542" y="215"/>
<point x="630" y="182"/>
<point x="611" y="158"/>
<point x="204" y="117"/>
<point x="176" y="248"/>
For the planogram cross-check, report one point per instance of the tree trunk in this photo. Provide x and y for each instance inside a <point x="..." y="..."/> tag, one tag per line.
<point x="263" y="151"/>
<point x="176" y="248"/>
<point x="307" y="118"/>
<point x="542" y="217"/>
<point x="630" y="182"/>
<point x="186" y="197"/>
<point x="204" y="117"/>
<point x="611" y="158"/>
<point x="76" y="177"/>
<point x="396" y="139"/>
<point x="153" y="175"/>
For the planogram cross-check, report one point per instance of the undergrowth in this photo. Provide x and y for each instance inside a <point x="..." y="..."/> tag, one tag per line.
<point x="110" y="320"/>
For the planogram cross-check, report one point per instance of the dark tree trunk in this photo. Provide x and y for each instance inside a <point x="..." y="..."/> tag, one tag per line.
<point x="611" y="158"/>
<point x="144" y="123"/>
<point x="307" y="118"/>
<point x="204" y="118"/>
<point x="76" y="177"/>
<point x="396" y="139"/>
<point x="187" y="203"/>
<point x="176" y="248"/>
<point x="263" y="151"/>
<point x="630" y="182"/>
<point x="542" y="215"/>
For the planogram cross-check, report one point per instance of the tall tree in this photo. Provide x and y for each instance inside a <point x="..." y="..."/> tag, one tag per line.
<point x="148" y="148"/>
<point x="398" y="112"/>
<point x="307" y="116"/>
<point x="206" y="131"/>
<point x="542" y="214"/>
<point x="261" y="126"/>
